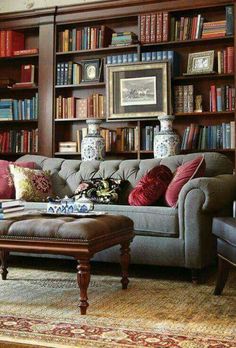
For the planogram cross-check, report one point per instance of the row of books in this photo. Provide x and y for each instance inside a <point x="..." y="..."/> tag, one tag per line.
<point x="193" y="28"/>
<point x="71" y="107"/>
<point x="122" y="58"/>
<point x="10" y="208"/>
<point x="147" y="137"/>
<point x="84" y="38"/>
<point x="222" y="98"/>
<point x="10" y="41"/>
<point x="183" y="97"/>
<point x="154" y="27"/>
<point x="197" y="137"/>
<point x="214" y="29"/>
<point x="225" y="60"/>
<point x="124" y="38"/>
<point x="14" y="109"/>
<point x="68" y="73"/>
<point x="17" y="141"/>
<point x="171" y="56"/>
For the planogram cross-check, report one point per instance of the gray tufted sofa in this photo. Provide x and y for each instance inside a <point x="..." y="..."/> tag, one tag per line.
<point x="164" y="236"/>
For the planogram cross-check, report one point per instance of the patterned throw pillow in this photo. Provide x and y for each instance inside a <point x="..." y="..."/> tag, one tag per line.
<point x="7" y="189"/>
<point x="31" y="185"/>
<point x="103" y="191"/>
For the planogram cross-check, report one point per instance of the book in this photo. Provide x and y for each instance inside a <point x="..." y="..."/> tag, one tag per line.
<point x="229" y="14"/>
<point x="26" y="52"/>
<point x="15" y="41"/>
<point x="27" y="73"/>
<point x="9" y="203"/>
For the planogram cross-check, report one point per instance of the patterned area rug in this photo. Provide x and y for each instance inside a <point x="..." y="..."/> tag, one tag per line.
<point x="39" y="308"/>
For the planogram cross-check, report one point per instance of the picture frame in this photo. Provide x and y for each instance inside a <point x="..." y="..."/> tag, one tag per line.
<point x="200" y="63"/>
<point x="91" y="70"/>
<point x="138" y="90"/>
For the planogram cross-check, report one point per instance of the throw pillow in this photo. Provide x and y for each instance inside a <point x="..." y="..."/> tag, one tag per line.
<point x="31" y="185"/>
<point x="7" y="189"/>
<point x="189" y="170"/>
<point x="151" y="187"/>
<point x="103" y="191"/>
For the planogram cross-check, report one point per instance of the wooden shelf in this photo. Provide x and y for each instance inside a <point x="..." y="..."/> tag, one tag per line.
<point x="67" y="154"/>
<point x="204" y="113"/>
<point x="83" y="85"/>
<point x="2" y="59"/>
<point x="98" y="50"/>
<point x="190" y="42"/>
<point x="17" y="153"/>
<point x="146" y="151"/>
<point x="207" y="150"/>
<point x="18" y="121"/>
<point x="77" y="119"/>
<point x="203" y="76"/>
<point x="21" y="88"/>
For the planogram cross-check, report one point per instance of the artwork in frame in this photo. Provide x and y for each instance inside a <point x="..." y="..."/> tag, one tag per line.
<point x="200" y="63"/>
<point x="138" y="90"/>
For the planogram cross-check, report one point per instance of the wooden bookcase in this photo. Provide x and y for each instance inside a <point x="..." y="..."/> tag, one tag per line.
<point x="120" y="15"/>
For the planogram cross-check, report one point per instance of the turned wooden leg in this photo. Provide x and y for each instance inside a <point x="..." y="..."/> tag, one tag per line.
<point x="196" y="276"/>
<point x="83" y="278"/>
<point x="222" y="275"/>
<point x="125" y="261"/>
<point x="3" y="270"/>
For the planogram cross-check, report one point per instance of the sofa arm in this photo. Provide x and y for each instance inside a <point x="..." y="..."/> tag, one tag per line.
<point x="218" y="191"/>
<point x="199" y="200"/>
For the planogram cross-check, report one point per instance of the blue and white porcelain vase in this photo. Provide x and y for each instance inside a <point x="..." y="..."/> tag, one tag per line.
<point x="93" y="144"/>
<point x="166" y="142"/>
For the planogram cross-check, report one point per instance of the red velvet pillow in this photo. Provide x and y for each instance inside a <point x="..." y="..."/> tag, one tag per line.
<point x="189" y="170"/>
<point x="7" y="189"/>
<point x="151" y="187"/>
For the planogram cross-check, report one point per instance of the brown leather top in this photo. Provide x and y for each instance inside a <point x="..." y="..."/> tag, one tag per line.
<point x="64" y="227"/>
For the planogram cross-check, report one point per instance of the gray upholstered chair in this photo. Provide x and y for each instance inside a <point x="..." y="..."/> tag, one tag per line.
<point x="225" y="231"/>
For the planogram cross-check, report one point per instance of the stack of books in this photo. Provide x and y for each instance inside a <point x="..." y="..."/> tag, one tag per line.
<point x="214" y="29"/>
<point x="222" y="98"/>
<point x="124" y="38"/>
<point x="10" y="208"/>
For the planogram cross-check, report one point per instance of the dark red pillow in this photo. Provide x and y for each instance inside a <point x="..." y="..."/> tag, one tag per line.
<point x="189" y="170"/>
<point x="151" y="187"/>
<point x="7" y="189"/>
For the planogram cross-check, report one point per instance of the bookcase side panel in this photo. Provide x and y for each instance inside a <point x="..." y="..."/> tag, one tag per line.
<point x="46" y="88"/>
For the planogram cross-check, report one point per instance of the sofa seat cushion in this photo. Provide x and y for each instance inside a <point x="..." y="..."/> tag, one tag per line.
<point x="148" y="220"/>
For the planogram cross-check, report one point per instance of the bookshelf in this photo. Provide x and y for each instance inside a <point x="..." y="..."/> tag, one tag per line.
<point x="45" y="28"/>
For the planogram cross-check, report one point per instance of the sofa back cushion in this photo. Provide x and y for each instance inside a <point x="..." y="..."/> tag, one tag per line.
<point x="67" y="174"/>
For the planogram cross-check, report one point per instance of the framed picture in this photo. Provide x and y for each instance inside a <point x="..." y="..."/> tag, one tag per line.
<point x="138" y="90"/>
<point x="91" y="70"/>
<point x="200" y="63"/>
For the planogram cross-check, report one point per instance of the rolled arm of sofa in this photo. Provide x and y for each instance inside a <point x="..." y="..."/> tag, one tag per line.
<point x="217" y="192"/>
<point x="199" y="200"/>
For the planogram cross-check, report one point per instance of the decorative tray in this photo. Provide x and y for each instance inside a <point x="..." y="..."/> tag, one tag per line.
<point x="78" y="215"/>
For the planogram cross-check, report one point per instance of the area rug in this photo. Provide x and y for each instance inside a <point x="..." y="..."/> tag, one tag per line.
<point x="39" y="308"/>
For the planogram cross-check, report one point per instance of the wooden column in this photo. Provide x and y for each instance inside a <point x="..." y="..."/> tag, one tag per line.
<point x="46" y="85"/>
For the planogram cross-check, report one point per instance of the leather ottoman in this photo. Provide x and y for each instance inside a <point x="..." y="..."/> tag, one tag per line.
<point x="77" y="237"/>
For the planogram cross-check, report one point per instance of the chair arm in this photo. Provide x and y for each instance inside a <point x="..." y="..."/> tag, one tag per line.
<point x="218" y="191"/>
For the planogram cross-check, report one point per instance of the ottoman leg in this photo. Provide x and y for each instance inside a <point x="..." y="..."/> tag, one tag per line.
<point x="3" y="257"/>
<point x="222" y="275"/>
<point x="83" y="279"/>
<point x="125" y="261"/>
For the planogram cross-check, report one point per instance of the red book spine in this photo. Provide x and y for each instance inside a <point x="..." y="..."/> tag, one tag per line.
<point x="153" y="28"/>
<point x="194" y="28"/>
<point x="25" y="52"/>
<point x="148" y="28"/>
<point x="190" y="137"/>
<point x="18" y="41"/>
<point x="213" y="98"/>
<point x="9" y="50"/>
<point x="230" y="59"/>
<point x="26" y="73"/>
<point x="166" y="18"/>
<point x="159" y="27"/>
<point x="3" y="43"/>
<point x="143" y="28"/>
